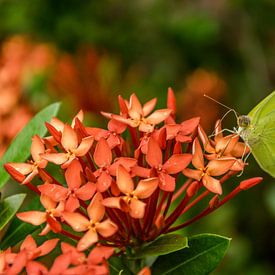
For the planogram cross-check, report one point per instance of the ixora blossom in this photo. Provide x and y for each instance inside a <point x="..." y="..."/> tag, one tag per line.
<point x="123" y="187"/>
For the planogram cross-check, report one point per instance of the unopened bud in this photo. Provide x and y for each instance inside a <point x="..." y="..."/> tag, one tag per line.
<point x="246" y="184"/>
<point x="214" y="202"/>
<point x="192" y="189"/>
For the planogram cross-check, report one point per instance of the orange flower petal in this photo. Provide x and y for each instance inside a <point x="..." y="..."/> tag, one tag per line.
<point x="106" y="228"/>
<point x="53" y="191"/>
<point x="72" y="204"/>
<point x="72" y="175"/>
<point x="220" y="166"/>
<point x="69" y="138"/>
<point x="84" y="146"/>
<point x="112" y="202"/>
<point x="37" y="148"/>
<point x="23" y="168"/>
<point x="193" y="174"/>
<point x="32" y="217"/>
<point x="137" y="209"/>
<point x="197" y="160"/>
<point x="149" y="106"/>
<point x="86" y="191"/>
<point x="87" y="240"/>
<point x="96" y="209"/>
<point x="78" y="222"/>
<point x="56" y="158"/>
<point x="103" y="182"/>
<point x="154" y="153"/>
<point x="166" y="182"/>
<point x="47" y="246"/>
<point x="213" y="185"/>
<point x="146" y="188"/>
<point x="176" y="163"/>
<point x="103" y="153"/>
<point x="158" y="116"/>
<point x="124" y="180"/>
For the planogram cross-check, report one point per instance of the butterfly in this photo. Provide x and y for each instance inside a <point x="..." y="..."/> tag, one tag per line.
<point x="257" y="129"/>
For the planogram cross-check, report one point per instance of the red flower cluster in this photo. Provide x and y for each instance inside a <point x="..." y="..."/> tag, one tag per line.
<point x="119" y="189"/>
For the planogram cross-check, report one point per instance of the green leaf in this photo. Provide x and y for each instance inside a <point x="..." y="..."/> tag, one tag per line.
<point x="18" y="229"/>
<point x="203" y="255"/>
<point x="117" y="266"/>
<point x="9" y="207"/>
<point x="163" y="245"/>
<point x="19" y="150"/>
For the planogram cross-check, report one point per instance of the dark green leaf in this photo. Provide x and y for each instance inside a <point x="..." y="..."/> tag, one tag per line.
<point x="8" y="208"/>
<point x="18" y="229"/>
<point x="117" y="266"/>
<point x="203" y="255"/>
<point x="163" y="245"/>
<point x="19" y="150"/>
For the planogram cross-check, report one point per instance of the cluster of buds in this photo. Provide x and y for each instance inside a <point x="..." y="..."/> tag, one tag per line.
<point x="122" y="188"/>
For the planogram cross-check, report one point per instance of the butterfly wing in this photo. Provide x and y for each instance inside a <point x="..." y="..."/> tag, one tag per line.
<point x="261" y="140"/>
<point x="261" y="110"/>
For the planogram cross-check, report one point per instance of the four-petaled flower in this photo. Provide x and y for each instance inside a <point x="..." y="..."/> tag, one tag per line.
<point x="206" y="174"/>
<point x="93" y="226"/>
<point x="74" y="192"/>
<point x="20" y="170"/>
<point x="53" y="211"/>
<point x="69" y="142"/>
<point x="131" y="201"/>
<point x="138" y="115"/>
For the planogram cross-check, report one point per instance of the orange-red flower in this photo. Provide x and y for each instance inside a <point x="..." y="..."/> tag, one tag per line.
<point x="138" y="115"/>
<point x="69" y="142"/>
<point x="132" y="200"/>
<point x="53" y="211"/>
<point x="206" y="174"/>
<point x="93" y="226"/>
<point x="74" y="192"/>
<point x="30" y="170"/>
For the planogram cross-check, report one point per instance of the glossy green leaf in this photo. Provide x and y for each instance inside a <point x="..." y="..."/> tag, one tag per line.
<point x="203" y="255"/>
<point x="118" y="267"/>
<point x="163" y="245"/>
<point x="18" y="229"/>
<point x="8" y="208"/>
<point x="19" y="150"/>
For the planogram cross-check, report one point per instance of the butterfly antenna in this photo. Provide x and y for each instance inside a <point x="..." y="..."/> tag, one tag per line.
<point x="223" y="105"/>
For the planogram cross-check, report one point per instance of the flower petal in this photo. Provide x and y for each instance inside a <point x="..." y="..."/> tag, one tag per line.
<point x="72" y="175"/>
<point x="56" y="158"/>
<point x="61" y="263"/>
<point x="135" y="109"/>
<point x="37" y="148"/>
<point x="189" y="126"/>
<point x="47" y="246"/>
<point x="106" y="228"/>
<point x="158" y="116"/>
<point x="137" y="209"/>
<point x="197" y="160"/>
<point x="166" y="182"/>
<point x="32" y="217"/>
<point x="35" y="268"/>
<point x="78" y="222"/>
<point x="28" y="244"/>
<point x="103" y="153"/>
<point x="176" y="163"/>
<point x="100" y="253"/>
<point x="69" y="138"/>
<point x="72" y="204"/>
<point x="23" y="168"/>
<point x="212" y="184"/>
<point x="220" y="166"/>
<point x="84" y="146"/>
<point x="53" y="191"/>
<point x="96" y="209"/>
<point x="112" y="202"/>
<point x="146" y="188"/>
<point x="103" y="182"/>
<point x="86" y="191"/>
<point x="154" y="153"/>
<point x="124" y="180"/>
<point x="193" y="174"/>
<point x="149" y="106"/>
<point x="87" y="240"/>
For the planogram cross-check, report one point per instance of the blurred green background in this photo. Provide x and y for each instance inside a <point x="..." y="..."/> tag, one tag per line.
<point x="85" y="53"/>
